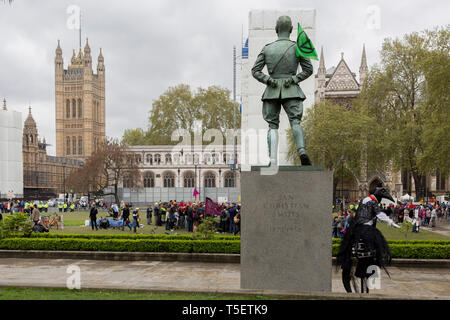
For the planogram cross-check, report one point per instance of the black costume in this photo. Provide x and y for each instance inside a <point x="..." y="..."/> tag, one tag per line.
<point x="364" y="241"/>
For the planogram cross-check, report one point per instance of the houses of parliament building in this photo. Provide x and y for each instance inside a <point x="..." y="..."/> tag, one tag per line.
<point x="80" y="125"/>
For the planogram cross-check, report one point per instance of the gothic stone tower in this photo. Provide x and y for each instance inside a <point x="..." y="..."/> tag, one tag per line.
<point x="79" y="104"/>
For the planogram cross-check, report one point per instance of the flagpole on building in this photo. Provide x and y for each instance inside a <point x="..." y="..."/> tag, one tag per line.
<point x="234" y="114"/>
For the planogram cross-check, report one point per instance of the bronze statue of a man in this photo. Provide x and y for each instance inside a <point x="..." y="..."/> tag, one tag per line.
<point x="282" y="88"/>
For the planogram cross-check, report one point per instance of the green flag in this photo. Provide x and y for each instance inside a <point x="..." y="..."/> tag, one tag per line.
<point x="304" y="47"/>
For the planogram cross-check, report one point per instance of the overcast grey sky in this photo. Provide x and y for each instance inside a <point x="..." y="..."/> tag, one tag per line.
<point x="151" y="45"/>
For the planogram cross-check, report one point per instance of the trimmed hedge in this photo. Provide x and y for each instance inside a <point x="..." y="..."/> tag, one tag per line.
<point x="190" y="237"/>
<point x="128" y="236"/>
<point x="398" y="241"/>
<point x="137" y="245"/>
<point x="407" y="251"/>
<point x="413" y="251"/>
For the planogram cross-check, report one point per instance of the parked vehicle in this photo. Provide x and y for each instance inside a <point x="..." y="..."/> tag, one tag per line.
<point x="51" y="202"/>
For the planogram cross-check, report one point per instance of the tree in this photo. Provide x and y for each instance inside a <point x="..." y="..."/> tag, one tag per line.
<point x="436" y="133"/>
<point x="409" y="95"/>
<point x="181" y="108"/>
<point x="332" y="133"/>
<point x="108" y="166"/>
<point x="134" y="137"/>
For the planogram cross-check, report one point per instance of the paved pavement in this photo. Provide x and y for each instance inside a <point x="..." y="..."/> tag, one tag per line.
<point x="441" y="228"/>
<point x="405" y="282"/>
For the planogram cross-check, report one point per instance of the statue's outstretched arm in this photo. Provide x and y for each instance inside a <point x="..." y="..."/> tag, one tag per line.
<point x="383" y="217"/>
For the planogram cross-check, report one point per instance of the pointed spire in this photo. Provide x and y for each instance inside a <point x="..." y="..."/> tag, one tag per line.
<point x="73" y="57"/>
<point x="342" y="56"/>
<point x="363" y="59"/>
<point x="87" y="49"/>
<point x="321" y="69"/>
<point x="58" y="49"/>
<point x="363" y="69"/>
<point x="29" y="121"/>
<point x="100" y="56"/>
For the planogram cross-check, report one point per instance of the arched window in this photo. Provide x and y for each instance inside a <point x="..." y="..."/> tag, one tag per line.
<point x="206" y="158"/>
<point x="229" y="180"/>
<point x="31" y="139"/>
<point x="127" y="182"/>
<point x="215" y="158"/>
<point x="169" y="180"/>
<point x="149" y="179"/>
<point x="157" y="158"/>
<point x="227" y="158"/>
<point x="176" y="158"/>
<point x="168" y="159"/>
<point x="74" y="108"/>
<point x="80" y="145"/>
<point x="67" y="108"/>
<point x="68" y="145"/>
<point x="189" y="180"/>
<point x="188" y="158"/>
<point x="149" y="159"/>
<point x="74" y="146"/>
<point x="196" y="158"/>
<point x="80" y="109"/>
<point x="210" y="180"/>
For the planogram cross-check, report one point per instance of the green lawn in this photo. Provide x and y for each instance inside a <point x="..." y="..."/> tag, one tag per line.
<point x="74" y="224"/>
<point x="405" y="233"/>
<point x="15" y="293"/>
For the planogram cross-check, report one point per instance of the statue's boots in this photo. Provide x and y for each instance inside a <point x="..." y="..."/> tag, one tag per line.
<point x="272" y="141"/>
<point x="304" y="157"/>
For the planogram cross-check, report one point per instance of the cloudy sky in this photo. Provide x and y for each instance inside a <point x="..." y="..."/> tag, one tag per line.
<point x="149" y="46"/>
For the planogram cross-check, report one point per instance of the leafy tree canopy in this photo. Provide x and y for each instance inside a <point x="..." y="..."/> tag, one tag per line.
<point x="180" y="107"/>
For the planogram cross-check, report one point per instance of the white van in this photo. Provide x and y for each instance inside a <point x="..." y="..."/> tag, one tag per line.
<point x="443" y="199"/>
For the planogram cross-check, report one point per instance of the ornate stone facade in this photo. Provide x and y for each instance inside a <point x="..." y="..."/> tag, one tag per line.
<point x="79" y="104"/>
<point x="339" y="85"/>
<point x="43" y="175"/>
<point x="167" y="167"/>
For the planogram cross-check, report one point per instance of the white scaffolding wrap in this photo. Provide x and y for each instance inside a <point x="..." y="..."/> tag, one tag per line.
<point x="11" y="166"/>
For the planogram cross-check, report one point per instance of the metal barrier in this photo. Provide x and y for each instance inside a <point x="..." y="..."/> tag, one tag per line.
<point x="144" y="196"/>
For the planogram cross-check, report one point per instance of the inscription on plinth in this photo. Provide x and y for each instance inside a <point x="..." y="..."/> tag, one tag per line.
<point x="286" y="230"/>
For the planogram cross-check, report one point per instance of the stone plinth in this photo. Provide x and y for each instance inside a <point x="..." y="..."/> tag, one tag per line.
<point x="286" y="229"/>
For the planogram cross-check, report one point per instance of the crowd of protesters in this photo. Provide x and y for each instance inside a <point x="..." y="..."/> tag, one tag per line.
<point x="173" y="215"/>
<point x="425" y="215"/>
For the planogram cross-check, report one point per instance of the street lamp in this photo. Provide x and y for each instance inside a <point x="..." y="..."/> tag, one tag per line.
<point x="195" y="175"/>
<point x="342" y="183"/>
<point x="64" y="175"/>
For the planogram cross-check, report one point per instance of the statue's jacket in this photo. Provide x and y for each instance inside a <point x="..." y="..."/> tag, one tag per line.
<point x="282" y="63"/>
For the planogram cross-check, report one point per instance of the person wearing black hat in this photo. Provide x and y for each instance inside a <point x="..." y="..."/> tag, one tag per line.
<point x="125" y="217"/>
<point x="364" y="241"/>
